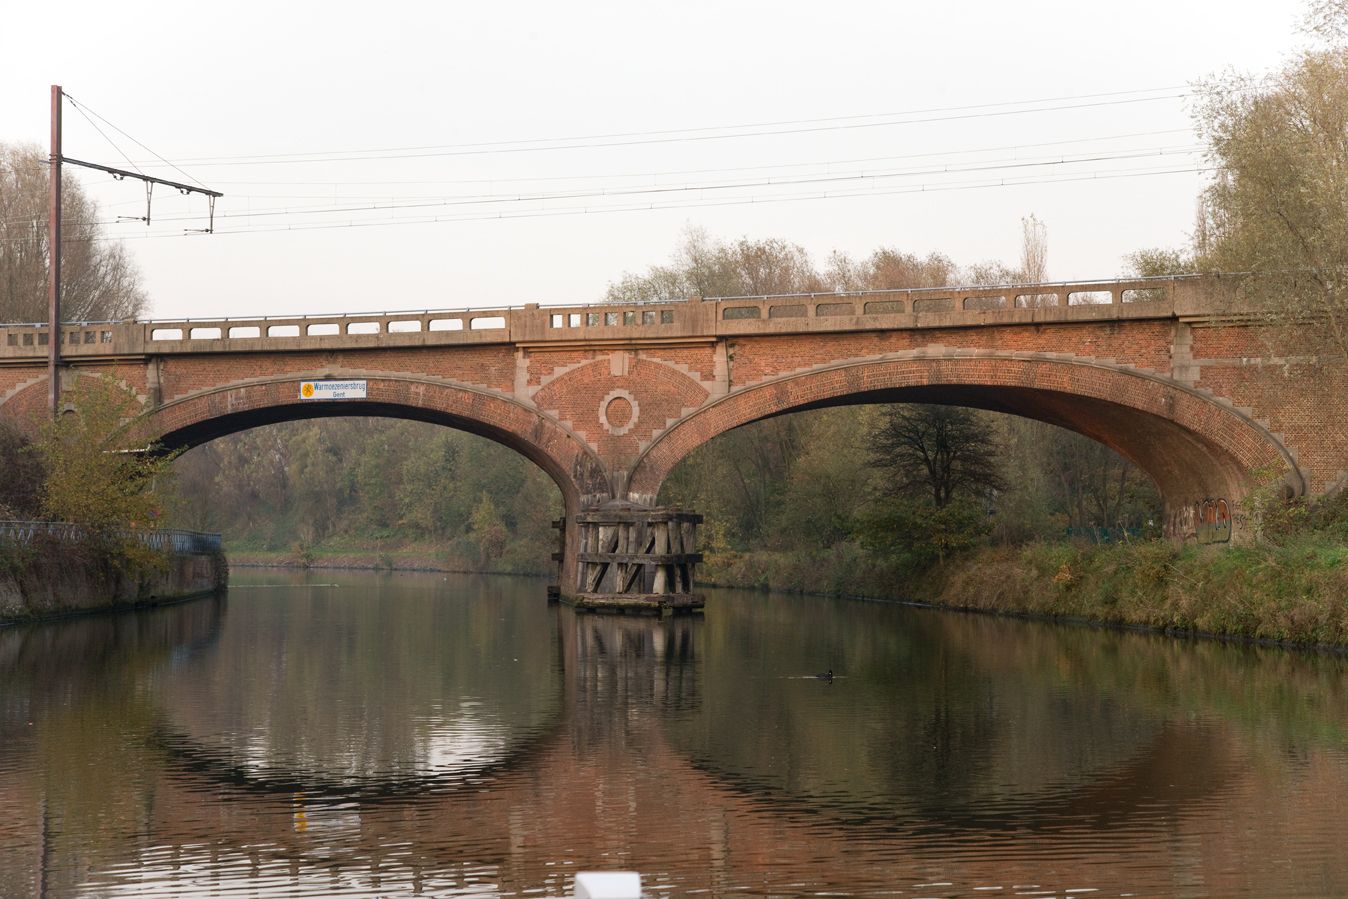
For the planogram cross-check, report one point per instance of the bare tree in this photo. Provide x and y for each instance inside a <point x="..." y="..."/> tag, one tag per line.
<point x="890" y="269"/>
<point x="1033" y="250"/>
<point x="100" y="281"/>
<point x="1327" y="20"/>
<point x="988" y="274"/>
<point x="21" y="485"/>
<point x="1278" y="206"/>
<point x="1158" y="262"/>
<point x="705" y="267"/>
<point x="936" y="451"/>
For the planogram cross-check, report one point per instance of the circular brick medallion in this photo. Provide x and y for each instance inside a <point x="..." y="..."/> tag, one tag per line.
<point x="618" y="412"/>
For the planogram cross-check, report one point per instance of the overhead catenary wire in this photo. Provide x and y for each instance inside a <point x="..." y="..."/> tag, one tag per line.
<point x="416" y="203"/>
<point x="596" y="176"/>
<point x="911" y="117"/>
<point x="595" y="210"/>
<point x="827" y="166"/>
<point x="822" y="195"/>
<point x="670" y="131"/>
<point x="536" y="145"/>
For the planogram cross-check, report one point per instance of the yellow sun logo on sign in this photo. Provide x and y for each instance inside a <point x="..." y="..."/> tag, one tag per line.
<point x="306" y="390"/>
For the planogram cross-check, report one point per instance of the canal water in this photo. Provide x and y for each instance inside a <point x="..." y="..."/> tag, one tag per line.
<point x="396" y="735"/>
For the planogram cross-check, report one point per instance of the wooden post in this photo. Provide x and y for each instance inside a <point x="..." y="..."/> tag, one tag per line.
<point x="622" y="548"/>
<point x="661" y="547"/>
<point x="54" y="258"/>
<point x="555" y="590"/>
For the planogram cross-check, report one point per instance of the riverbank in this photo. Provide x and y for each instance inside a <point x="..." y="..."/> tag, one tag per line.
<point x="1295" y="592"/>
<point x="54" y="578"/>
<point x="413" y="558"/>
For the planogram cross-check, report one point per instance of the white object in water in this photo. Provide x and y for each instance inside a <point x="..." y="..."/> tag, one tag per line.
<point x="608" y="885"/>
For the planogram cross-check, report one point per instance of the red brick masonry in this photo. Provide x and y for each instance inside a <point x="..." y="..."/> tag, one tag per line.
<point x="607" y="399"/>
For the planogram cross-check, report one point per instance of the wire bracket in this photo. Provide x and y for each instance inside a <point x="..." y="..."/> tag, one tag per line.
<point x="150" y="182"/>
<point x="210" y="227"/>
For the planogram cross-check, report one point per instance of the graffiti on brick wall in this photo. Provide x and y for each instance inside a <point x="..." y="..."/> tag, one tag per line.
<point x="1204" y="521"/>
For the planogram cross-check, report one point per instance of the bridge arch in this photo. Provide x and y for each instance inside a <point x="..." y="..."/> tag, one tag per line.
<point x="197" y="418"/>
<point x="1195" y="447"/>
<point x="582" y="478"/>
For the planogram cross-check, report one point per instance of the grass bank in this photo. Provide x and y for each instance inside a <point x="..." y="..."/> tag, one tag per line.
<point x="1294" y="592"/>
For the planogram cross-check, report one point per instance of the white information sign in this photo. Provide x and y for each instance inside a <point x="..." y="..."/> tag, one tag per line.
<point x="332" y="390"/>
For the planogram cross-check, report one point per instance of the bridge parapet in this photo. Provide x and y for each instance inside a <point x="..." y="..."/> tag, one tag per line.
<point x="947" y="307"/>
<point x="709" y="318"/>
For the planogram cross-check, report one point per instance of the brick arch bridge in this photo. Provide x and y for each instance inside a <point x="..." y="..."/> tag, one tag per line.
<point x="608" y="398"/>
<point x="1190" y="444"/>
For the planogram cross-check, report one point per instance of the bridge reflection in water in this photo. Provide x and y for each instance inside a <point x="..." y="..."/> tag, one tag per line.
<point x="412" y="734"/>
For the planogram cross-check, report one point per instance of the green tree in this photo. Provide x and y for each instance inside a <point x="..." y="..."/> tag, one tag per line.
<point x="376" y="464"/>
<point x="426" y="495"/>
<point x="489" y="530"/>
<point x="920" y="535"/>
<point x="316" y="473"/>
<point x="343" y="482"/>
<point x="828" y="484"/>
<point x="98" y="469"/>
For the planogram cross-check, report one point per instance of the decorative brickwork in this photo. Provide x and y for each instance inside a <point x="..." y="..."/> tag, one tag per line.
<point x="662" y="393"/>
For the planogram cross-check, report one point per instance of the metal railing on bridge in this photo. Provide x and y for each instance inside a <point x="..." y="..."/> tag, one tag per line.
<point x="23" y="533"/>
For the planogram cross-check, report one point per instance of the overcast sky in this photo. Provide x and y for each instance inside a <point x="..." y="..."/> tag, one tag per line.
<point x="542" y="134"/>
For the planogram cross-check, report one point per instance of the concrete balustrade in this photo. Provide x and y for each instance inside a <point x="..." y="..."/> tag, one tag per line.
<point x="696" y="317"/>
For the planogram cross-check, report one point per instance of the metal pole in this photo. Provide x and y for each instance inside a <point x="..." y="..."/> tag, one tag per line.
<point x="54" y="257"/>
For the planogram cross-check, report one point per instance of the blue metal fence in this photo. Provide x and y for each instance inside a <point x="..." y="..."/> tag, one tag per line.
<point x="167" y="539"/>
